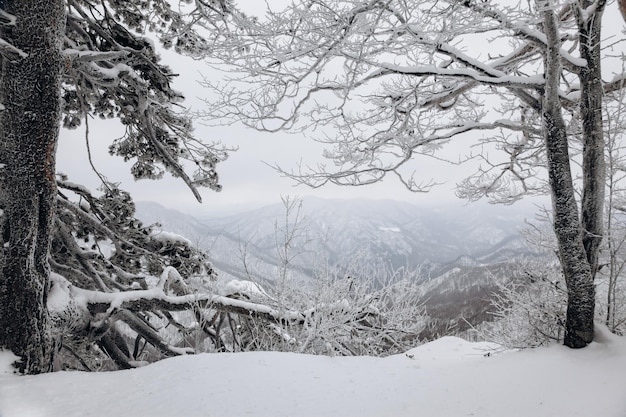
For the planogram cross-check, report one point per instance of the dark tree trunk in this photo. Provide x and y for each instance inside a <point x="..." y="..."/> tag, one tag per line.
<point x="30" y="89"/>
<point x="567" y="225"/>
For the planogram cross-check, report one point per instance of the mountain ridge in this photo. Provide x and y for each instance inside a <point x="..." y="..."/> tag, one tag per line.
<point x="457" y="256"/>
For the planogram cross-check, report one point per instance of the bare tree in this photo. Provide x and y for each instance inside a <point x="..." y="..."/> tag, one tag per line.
<point x="353" y="307"/>
<point x="387" y="82"/>
<point x="613" y="256"/>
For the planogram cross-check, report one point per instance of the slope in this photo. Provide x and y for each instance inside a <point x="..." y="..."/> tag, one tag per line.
<point x="448" y="377"/>
<point x="455" y="254"/>
<point x="338" y="231"/>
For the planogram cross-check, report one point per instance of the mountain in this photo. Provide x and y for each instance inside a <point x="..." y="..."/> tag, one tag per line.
<point x="457" y="255"/>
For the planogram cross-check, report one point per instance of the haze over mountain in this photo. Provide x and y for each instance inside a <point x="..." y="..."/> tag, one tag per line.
<point x="456" y="254"/>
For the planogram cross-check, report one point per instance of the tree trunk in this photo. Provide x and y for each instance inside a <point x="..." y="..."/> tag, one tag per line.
<point x="567" y="226"/>
<point x="594" y="166"/>
<point x="29" y="124"/>
<point x="568" y="230"/>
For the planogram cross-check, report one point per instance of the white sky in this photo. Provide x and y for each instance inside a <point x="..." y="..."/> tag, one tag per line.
<point x="245" y="176"/>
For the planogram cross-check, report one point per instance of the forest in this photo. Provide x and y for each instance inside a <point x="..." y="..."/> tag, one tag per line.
<point x="85" y="285"/>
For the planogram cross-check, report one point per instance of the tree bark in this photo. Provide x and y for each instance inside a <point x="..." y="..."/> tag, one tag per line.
<point x="30" y="89"/>
<point x="594" y="166"/>
<point x="567" y="225"/>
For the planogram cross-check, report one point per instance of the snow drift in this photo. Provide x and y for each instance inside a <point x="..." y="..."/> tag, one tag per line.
<point x="447" y="377"/>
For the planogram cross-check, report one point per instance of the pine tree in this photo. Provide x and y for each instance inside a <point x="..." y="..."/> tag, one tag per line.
<point x="64" y="61"/>
<point x="30" y="128"/>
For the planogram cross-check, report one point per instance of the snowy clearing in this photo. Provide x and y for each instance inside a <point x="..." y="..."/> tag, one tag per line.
<point x="447" y="377"/>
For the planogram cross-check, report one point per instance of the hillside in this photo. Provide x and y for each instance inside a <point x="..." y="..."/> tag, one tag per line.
<point x="456" y="254"/>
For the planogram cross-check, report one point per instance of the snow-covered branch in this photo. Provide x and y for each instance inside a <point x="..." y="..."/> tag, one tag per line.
<point x="154" y="300"/>
<point x="91" y="56"/>
<point x="387" y="84"/>
<point x="113" y="70"/>
<point x="506" y="80"/>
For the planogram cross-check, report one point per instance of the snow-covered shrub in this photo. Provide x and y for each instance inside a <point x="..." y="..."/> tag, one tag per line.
<point x="611" y="295"/>
<point x="337" y="314"/>
<point x="144" y="295"/>
<point x="529" y="310"/>
<point x="360" y="306"/>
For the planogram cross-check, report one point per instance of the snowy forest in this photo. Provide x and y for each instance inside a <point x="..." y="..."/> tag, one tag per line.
<point x="529" y="96"/>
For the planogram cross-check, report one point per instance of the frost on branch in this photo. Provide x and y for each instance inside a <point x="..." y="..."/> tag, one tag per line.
<point x="113" y="71"/>
<point x="387" y="85"/>
<point x="125" y="294"/>
<point x="100" y="247"/>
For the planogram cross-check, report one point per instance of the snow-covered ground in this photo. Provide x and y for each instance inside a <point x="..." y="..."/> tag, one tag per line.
<point x="448" y="377"/>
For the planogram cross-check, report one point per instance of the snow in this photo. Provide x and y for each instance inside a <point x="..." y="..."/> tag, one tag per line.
<point x="389" y="229"/>
<point x="89" y="55"/>
<point x="6" y="359"/>
<point x="72" y="185"/>
<point x="105" y="247"/>
<point x="8" y="16"/>
<point x="83" y="298"/>
<point x="169" y="237"/>
<point x="447" y="377"/>
<point x="59" y="296"/>
<point x="6" y="46"/>
<point x="248" y="288"/>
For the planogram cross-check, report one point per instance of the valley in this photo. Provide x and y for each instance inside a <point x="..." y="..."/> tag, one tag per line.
<point x="458" y="256"/>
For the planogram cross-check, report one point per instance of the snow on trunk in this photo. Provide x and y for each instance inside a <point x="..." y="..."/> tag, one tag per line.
<point x="567" y="225"/>
<point x="30" y="128"/>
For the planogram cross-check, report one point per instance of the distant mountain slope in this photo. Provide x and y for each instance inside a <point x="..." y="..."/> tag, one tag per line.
<point x="456" y="254"/>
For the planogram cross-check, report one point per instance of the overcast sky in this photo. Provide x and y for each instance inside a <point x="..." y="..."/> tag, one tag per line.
<point x="246" y="178"/>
